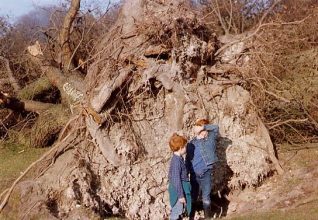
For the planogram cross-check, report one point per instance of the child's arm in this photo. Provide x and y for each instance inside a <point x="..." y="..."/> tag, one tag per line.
<point x="176" y="178"/>
<point x="212" y="129"/>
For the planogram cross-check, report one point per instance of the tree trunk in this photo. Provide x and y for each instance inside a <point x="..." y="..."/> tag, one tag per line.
<point x="64" y="38"/>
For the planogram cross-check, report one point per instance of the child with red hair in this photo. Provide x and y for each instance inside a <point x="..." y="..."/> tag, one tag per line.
<point x="179" y="185"/>
<point x="201" y="159"/>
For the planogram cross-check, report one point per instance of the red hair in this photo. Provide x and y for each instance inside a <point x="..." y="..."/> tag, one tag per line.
<point x="177" y="142"/>
<point x="201" y="122"/>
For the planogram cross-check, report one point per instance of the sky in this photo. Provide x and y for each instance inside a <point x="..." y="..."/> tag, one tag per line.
<point x="16" y="8"/>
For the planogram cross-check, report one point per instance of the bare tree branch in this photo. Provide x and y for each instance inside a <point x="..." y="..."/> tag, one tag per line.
<point x="253" y="33"/>
<point x="12" y="79"/>
<point x="64" y="38"/>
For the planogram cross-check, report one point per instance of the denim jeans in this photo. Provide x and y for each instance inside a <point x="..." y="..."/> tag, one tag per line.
<point x="203" y="182"/>
<point x="176" y="211"/>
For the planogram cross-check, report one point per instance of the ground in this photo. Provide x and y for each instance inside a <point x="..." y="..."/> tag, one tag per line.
<point x="293" y="195"/>
<point x="14" y="159"/>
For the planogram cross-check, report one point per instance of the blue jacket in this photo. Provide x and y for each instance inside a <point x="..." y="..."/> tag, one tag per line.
<point x="201" y="153"/>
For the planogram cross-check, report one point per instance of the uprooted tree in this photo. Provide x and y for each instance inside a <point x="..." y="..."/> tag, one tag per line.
<point x="156" y="71"/>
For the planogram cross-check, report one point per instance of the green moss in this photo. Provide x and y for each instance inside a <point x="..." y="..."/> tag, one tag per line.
<point x="35" y="88"/>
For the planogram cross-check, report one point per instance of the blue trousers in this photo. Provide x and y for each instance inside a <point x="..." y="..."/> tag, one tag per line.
<point x="202" y="182"/>
<point x="176" y="211"/>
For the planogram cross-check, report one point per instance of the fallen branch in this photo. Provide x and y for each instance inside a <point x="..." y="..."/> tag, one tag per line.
<point x="279" y="122"/>
<point x="13" y="81"/>
<point x="18" y="105"/>
<point x="261" y="25"/>
<point x="105" y="92"/>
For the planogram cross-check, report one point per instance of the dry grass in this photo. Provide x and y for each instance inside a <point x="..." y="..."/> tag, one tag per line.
<point x="48" y="125"/>
<point x="13" y="160"/>
<point x="307" y="211"/>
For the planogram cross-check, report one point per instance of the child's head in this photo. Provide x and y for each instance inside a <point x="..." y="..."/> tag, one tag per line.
<point x="199" y="127"/>
<point x="201" y="122"/>
<point x="177" y="142"/>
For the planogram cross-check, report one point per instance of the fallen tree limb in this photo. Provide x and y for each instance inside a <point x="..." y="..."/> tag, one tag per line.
<point x="279" y="122"/>
<point x="18" y="105"/>
<point x="105" y="92"/>
<point x="13" y="81"/>
<point x="71" y="88"/>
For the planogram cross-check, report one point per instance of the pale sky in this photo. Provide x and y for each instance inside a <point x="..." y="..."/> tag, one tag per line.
<point x="16" y="8"/>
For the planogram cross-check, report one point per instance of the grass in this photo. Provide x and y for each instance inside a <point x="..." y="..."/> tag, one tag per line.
<point x="14" y="159"/>
<point x="307" y="211"/>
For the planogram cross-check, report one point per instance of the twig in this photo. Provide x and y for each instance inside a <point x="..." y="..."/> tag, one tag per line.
<point x="82" y="38"/>
<point x="272" y="94"/>
<point x="278" y="123"/>
<point x="6" y="190"/>
<point x="256" y="31"/>
<point x="32" y="207"/>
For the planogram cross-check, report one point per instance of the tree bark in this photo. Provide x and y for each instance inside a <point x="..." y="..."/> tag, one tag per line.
<point x="64" y="38"/>
<point x="105" y="92"/>
<point x="12" y="79"/>
<point x="18" y="105"/>
<point x="4" y="81"/>
<point x="102" y="140"/>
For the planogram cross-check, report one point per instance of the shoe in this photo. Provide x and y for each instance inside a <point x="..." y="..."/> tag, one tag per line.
<point x="207" y="213"/>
